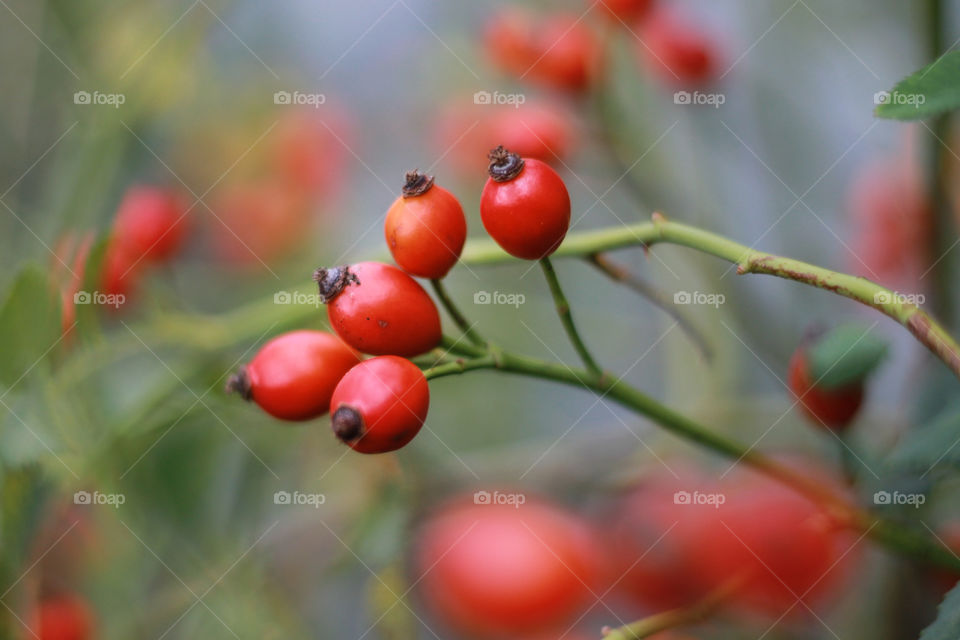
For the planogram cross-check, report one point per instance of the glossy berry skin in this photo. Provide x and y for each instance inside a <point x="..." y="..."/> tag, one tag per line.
<point x="293" y="376"/>
<point x="678" y="52"/>
<point x="378" y="309"/>
<point x="380" y="404"/>
<point x="62" y="617"/>
<point x="426" y="229"/>
<point x="151" y="223"/>
<point x="528" y="214"/>
<point x="830" y="408"/>
<point x="625" y="11"/>
<point x="501" y="571"/>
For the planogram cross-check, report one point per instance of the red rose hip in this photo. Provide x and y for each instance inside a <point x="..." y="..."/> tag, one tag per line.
<point x="293" y="376"/>
<point x="525" y="206"/>
<point x="380" y="405"/>
<point x="62" y="617"/>
<point x="378" y="309"/>
<point x="831" y="408"/>
<point x="425" y="228"/>
<point x="151" y="223"/>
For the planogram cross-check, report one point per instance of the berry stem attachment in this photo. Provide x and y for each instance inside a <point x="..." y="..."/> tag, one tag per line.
<point x="747" y="260"/>
<point x="566" y="318"/>
<point x="618" y="273"/>
<point x="459" y="347"/>
<point x="460" y="365"/>
<point x="458" y="318"/>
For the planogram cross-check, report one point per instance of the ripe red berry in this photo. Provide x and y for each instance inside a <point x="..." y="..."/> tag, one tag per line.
<point x="677" y="51"/>
<point x="625" y="11"/>
<point x="376" y="308"/>
<point x="832" y="408"/>
<point x="62" y="617"/>
<point x="293" y="376"/>
<point x="557" y="50"/>
<point x="425" y="228"/>
<point x="502" y="570"/>
<point x="380" y="404"/>
<point x="151" y="223"/>
<point x="525" y="206"/>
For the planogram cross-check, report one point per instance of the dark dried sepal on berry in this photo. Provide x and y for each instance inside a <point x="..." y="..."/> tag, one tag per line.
<point x="347" y="424"/>
<point x="332" y="281"/>
<point x="504" y="165"/>
<point x="239" y="383"/>
<point x="417" y="183"/>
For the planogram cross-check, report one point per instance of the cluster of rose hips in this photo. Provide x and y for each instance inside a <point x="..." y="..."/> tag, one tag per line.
<point x="380" y="404"/>
<point x="561" y="51"/>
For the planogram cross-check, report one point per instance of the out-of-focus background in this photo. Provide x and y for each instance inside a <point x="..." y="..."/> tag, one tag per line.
<point x="285" y="130"/>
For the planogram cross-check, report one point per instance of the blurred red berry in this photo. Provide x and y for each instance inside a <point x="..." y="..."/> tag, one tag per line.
<point x="425" y="228"/>
<point x="309" y="147"/>
<point x="677" y="51"/>
<point x="70" y="254"/>
<point x="503" y="569"/>
<point x="378" y="309"/>
<point x="831" y="408"/>
<point x="949" y="535"/>
<point x="292" y="377"/>
<point x="525" y="206"/>
<point x="257" y="223"/>
<point x="62" y="617"/>
<point x="151" y="223"/>
<point x="467" y="132"/>
<point x="380" y="405"/>
<point x="624" y="11"/>
<point x="891" y="219"/>
<point x="557" y="50"/>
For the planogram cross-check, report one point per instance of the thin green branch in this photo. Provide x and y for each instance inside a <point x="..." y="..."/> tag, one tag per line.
<point x="627" y="278"/>
<point x="890" y="534"/>
<point x="931" y="334"/>
<point x="459" y="347"/>
<point x="566" y="317"/>
<point x="458" y="318"/>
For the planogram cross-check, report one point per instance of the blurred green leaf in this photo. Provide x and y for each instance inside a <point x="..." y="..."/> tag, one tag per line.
<point x="933" y="444"/>
<point x="845" y="355"/>
<point x="29" y="324"/>
<point x="947" y="624"/>
<point x="928" y="92"/>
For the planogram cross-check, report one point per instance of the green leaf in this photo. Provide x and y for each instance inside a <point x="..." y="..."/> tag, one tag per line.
<point x="933" y="90"/>
<point x="29" y="324"/>
<point x="845" y="355"/>
<point x="947" y="624"/>
<point x="937" y="443"/>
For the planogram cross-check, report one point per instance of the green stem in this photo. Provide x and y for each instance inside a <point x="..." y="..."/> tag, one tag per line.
<point x="566" y="318"/>
<point x="460" y="347"/>
<point x="458" y="318"/>
<point x="748" y="260"/>
<point x="674" y="618"/>
<point x="606" y="384"/>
